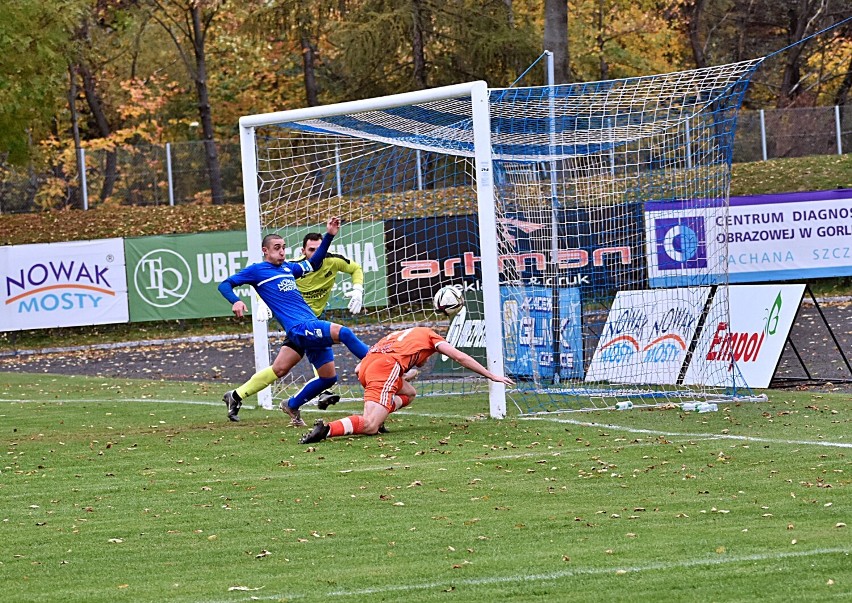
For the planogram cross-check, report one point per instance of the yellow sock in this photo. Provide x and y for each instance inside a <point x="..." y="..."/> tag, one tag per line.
<point x="257" y="382"/>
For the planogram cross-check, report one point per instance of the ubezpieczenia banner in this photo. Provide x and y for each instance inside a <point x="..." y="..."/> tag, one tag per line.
<point x="176" y="276"/>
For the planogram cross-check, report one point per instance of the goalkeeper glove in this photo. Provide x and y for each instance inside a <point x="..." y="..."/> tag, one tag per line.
<point x="356" y="298"/>
<point x="264" y="314"/>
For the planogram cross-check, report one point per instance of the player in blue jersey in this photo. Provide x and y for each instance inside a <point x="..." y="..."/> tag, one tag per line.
<point x="274" y="280"/>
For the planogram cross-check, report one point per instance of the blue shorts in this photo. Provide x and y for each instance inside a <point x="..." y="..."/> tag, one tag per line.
<point x="314" y="337"/>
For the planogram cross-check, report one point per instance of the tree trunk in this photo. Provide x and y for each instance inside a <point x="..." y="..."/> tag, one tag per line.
<point x="211" y="154"/>
<point x="556" y="38"/>
<point x="693" y="30"/>
<point x="604" y="66"/>
<point x="843" y="91"/>
<point x="417" y="45"/>
<point x="792" y="72"/>
<point x="309" y="55"/>
<point x="93" y="99"/>
<point x="308" y="61"/>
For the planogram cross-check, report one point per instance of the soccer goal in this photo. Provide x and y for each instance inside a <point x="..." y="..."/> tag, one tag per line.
<point x="585" y="224"/>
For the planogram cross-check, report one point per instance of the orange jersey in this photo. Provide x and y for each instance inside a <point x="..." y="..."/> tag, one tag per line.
<point x="411" y="347"/>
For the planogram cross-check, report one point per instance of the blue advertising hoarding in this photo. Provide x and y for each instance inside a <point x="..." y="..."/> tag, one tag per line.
<point x="528" y="332"/>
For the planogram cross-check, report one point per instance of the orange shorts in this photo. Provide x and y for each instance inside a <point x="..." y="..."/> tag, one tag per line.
<point x="381" y="376"/>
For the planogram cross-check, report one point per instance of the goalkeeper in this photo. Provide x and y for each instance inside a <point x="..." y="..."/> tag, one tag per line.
<point x="316" y="288"/>
<point x="274" y="281"/>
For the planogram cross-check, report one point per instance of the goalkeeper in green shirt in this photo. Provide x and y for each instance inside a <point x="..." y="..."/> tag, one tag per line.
<point x="316" y="288"/>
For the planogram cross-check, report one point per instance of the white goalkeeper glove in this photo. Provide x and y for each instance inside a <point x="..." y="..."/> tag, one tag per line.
<point x="264" y="314"/>
<point x="356" y="298"/>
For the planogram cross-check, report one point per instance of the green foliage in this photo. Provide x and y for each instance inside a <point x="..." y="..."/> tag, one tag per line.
<point x="117" y="489"/>
<point x="35" y="40"/>
<point x="363" y="48"/>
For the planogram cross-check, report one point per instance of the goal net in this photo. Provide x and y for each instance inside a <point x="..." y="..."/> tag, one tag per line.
<point x="585" y="224"/>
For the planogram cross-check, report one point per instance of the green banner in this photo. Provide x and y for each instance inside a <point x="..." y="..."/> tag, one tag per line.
<point x="176" y="276"/>
<point x="361" y="242"/>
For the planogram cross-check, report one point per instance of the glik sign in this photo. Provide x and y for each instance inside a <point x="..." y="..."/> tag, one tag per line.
<point x="63" y="284"/>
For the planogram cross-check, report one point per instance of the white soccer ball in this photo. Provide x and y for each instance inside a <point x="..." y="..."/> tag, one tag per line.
<point x="448" y="301"/>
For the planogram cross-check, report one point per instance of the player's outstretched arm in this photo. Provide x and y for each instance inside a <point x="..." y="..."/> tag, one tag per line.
<point x="238" y="307"/>
<point x="332" y="227"/>
<point x="468" y="362"/>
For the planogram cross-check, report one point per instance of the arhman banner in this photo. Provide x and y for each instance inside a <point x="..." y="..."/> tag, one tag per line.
<point x="63" y="284"/>
<point x="765" y="238"/>
<point x="427" y="253"/>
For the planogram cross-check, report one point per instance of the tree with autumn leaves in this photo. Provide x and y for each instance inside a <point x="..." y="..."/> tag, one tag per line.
<point x="114" y="75"/>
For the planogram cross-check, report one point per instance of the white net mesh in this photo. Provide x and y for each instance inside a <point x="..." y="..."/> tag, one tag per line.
<point x="611" y="205"/>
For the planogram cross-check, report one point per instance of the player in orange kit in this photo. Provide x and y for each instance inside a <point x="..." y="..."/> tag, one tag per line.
<point x="382" y="373"/>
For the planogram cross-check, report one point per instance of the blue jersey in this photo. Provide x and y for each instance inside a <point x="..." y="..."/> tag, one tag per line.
<point x="276" y="286"/>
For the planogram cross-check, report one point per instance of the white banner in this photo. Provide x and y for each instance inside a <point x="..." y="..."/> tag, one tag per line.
<point x="63" y="284"/>
<point x="765" y="238"/>
<point x="744" y="349"/>
<point x="647" y="335"/>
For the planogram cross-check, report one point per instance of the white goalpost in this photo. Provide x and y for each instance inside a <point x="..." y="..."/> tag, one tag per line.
<point x="585" y="224"/>
<point x="262" y="197"/>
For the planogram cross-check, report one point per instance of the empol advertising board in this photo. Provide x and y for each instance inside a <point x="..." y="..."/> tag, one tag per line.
<point x="791" y="236"/>
<point x="63" y="284"/>
<point x="744" y="335"/>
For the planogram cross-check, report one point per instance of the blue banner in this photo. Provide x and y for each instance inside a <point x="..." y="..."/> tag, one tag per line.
<point x="528" y="332"/>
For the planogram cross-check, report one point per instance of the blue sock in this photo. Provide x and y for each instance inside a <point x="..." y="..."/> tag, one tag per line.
<point x="311" y="390"/>
<point x="351" y="341"/>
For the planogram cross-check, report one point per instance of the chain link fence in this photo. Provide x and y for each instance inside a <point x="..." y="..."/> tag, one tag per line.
<point x="176" y="173"/>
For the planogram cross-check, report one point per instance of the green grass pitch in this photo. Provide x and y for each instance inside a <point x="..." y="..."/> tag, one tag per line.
<point x="118" y="490"/>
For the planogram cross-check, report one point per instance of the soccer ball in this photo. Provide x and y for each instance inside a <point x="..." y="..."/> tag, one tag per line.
<point x="448" y="301"/>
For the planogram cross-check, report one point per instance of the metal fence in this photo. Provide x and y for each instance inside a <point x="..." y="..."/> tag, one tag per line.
<point x="176" y="173"/>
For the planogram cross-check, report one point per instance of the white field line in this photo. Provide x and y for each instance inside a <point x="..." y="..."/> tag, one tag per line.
<point x="551" y="576"/>
<point x="719" y="436"/>
<point x="407" y="412"/>
<point x="116" y="400"/>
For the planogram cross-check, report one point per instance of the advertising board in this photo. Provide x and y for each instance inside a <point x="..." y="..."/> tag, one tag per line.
<point x="765" y="238"/>
<point x="63" y="284"/>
